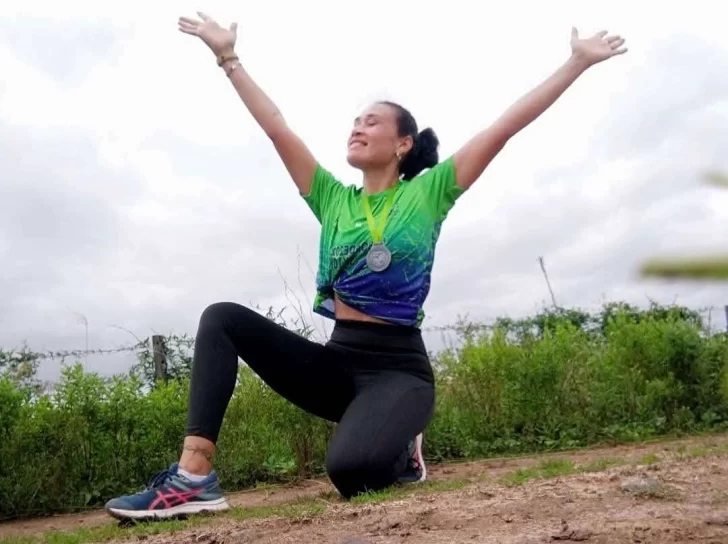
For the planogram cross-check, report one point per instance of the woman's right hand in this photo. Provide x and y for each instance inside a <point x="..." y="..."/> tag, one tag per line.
<point x="296" y="157"/>
<point x="220" y="40"/>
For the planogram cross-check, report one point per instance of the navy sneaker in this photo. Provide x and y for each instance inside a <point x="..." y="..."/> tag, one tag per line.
<point x="170" y="495"/>
<point x="416" y="470"/>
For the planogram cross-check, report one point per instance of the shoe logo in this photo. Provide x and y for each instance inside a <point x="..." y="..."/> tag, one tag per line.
<point x="173" y="497"/>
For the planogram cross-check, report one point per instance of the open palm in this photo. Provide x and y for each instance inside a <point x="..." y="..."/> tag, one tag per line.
<point x="220" y="40"/>
<point x="597" y="48"/>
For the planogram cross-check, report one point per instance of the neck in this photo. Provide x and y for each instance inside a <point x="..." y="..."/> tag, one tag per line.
<point x="376" y="181"/>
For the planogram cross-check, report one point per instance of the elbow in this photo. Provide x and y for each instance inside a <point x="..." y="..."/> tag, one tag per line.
<point x="274" y="134"/>
<point x="500" y="133"/>
<point x="275" y="127"/>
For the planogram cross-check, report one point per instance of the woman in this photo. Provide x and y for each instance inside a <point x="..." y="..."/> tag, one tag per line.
<point x="373" y="377"/>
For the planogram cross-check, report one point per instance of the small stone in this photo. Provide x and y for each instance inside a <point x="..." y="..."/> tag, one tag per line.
<point x="577" y="535"/>
<point x="240" y="537"/>
<point x="640" y="485"/>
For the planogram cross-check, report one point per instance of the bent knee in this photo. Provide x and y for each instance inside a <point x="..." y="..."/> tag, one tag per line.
<point x="219" y="313"/>
<point x="353" y="475"/>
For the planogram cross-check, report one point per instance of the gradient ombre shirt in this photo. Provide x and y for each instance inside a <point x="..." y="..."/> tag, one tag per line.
<point x="397" y="294"/>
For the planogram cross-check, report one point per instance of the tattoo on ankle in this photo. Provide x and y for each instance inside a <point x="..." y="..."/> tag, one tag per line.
<point x="207" y="454"/>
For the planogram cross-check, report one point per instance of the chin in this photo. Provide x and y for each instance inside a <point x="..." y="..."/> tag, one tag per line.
<point x="356" y="160"/>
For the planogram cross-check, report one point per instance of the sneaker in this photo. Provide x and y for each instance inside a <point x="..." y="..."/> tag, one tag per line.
<point x="170" y="495"/>
<point x="416" y="470"/>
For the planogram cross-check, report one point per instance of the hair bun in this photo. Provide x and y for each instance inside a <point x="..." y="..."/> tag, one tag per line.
<point x="423" y="154"/>
<point x="428" y="143"/>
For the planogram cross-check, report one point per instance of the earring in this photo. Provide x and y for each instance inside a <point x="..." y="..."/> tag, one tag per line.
<point x="399" y="157"/>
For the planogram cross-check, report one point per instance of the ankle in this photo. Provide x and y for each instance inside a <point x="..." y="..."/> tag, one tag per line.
<point x="197" y="454"/>
<point x="188" y="469"/>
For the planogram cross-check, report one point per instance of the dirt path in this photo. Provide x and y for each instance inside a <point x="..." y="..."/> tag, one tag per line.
<point x="678" y="494"/>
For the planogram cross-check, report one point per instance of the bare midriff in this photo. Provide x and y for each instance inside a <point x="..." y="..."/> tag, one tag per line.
<point x="343" y="311"/>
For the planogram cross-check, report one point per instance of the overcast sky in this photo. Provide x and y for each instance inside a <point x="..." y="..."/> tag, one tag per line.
<point x="135" y="189"/>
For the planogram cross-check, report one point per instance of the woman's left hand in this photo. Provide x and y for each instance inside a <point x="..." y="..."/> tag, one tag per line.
<point x="596" y="49"/>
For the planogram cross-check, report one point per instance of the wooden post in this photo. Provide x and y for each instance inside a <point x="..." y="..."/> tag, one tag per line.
<point x="726" y="318"/>
<point x="160" y="357"/>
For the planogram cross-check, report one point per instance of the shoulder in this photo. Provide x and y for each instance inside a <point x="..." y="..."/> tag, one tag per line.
<point x="325" y="193"/>
<point x="444" y="170"/>
<point x="439" y="186"/>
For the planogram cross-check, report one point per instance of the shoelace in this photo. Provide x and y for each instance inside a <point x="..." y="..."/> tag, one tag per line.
<point x="158" y="479"/>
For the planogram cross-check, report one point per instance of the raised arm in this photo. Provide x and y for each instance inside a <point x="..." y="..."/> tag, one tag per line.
<point x="297" y="158"/>
<point x="473" y="158"/>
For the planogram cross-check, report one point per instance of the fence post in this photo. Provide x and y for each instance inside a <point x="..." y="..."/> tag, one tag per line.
<point x="726" y="318"/>
<point x="160" y="358"/>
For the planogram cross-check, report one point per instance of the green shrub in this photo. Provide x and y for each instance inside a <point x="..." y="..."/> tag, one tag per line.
<point x="561" y="379"/>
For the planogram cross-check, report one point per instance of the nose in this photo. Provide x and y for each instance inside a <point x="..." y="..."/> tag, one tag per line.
<point x="355" y="132"/>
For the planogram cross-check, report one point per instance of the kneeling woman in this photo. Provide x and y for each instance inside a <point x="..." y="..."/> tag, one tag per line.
<point x="373" y="377"/>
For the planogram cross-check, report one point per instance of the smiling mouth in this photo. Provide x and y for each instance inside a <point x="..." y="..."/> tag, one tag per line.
<point x="357" y="144"/>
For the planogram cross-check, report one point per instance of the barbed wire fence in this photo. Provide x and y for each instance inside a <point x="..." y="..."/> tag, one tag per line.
<point x="161" y="358"/>
<point x="150" y="359"/>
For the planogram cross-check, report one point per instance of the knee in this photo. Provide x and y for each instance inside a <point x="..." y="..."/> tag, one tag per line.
<point x="353" y="474"/>
<point x="216" y="315"/>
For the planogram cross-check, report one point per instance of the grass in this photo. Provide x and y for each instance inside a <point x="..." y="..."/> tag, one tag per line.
<point x="401" y="492"/>
<point x="601" y="464"/>
<point x="649" y="459"/>
<point x="295" y="511"/>
<point x="305" y="509"/>
<point x="299" y="510"/>
<point x="545" y="469"/>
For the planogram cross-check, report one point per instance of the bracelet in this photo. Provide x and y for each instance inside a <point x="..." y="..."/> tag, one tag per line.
<point x="228" y="73"/>
<point x="222" y="59"/>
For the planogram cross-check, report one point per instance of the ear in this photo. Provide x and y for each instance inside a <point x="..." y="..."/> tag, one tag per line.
<point x="404" y="145"/>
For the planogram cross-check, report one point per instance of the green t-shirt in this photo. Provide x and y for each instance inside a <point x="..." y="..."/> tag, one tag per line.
<point x="398" y="293"/>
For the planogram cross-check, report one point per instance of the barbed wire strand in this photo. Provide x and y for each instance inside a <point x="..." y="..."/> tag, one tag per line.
<point x="64" y="354"/>
<point x="483" y="324"/>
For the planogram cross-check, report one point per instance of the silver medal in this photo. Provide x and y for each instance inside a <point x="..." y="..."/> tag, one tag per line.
<point x="378" y="258"/>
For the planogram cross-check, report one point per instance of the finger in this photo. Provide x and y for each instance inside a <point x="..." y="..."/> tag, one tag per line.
<point x="189" y="21"/>
<point x="619" y="51"/>
<point x="204" y="17"/>
<point x="188" y="31"/>
<point x="600" y="34"/>
<point x="617" y="44"/>
<point x="610" y="39"/>
<point x="574" y="33"/>
<point x="188" y="27"/>
<point x="234" y="27"/>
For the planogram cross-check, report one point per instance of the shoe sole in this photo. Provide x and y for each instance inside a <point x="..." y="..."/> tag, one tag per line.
<point x="217" y="505"/>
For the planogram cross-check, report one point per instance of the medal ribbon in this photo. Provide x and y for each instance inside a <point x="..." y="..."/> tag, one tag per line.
<point x="377" y="232"/>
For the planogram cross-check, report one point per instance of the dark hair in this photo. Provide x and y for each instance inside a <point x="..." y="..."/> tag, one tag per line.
<point x="424" y="149"/>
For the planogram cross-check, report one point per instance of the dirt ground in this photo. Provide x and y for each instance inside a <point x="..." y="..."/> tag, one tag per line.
<point x="662" y="492"/>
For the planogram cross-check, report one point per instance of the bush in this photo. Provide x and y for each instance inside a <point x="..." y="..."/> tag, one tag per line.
<point x="559" y="380"/>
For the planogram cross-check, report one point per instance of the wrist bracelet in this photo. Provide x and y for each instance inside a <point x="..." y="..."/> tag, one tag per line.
<point x="224" y="58"/>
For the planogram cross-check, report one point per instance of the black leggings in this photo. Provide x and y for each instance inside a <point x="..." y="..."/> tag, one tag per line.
<point x="374" y="380"/>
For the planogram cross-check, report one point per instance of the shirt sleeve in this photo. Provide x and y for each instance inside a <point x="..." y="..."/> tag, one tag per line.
<point x="440" y="188"/>
<point x="324" y="193"/>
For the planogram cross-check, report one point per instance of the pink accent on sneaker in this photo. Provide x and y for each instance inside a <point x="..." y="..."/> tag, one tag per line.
<point x="173" y="497"/>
